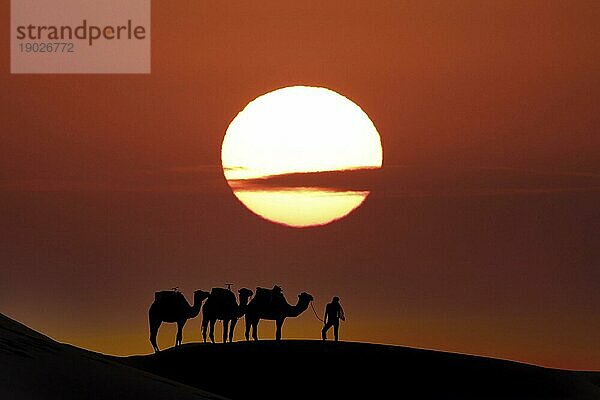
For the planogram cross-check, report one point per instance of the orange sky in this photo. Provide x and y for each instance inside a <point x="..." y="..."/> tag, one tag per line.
<point x="481" y="234"/>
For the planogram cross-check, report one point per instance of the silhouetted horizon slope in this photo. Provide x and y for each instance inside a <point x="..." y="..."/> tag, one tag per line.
<point x="315" y="369"/>
<point x="34" y="366"/>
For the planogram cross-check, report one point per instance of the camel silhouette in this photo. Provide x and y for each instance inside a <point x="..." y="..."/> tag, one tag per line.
<point x="270" y="304"/>
<point x="221" y="305"/>
<point x="171" y="306"/>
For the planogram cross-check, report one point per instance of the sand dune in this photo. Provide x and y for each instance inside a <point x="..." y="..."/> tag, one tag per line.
<point x="307" y="369"/>
<point x="35" y="367"/>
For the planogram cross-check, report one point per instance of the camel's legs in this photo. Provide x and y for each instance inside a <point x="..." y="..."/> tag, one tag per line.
<point x="204" y="326"/>
<point x="154" y="325"/>
<point x="232" y="329"/>
<point x="247" y="332"/>
<point x="225" y="330"/>
<point x="279" y="324"/>
<point x="255" y="330"/>
<point x="179" y="338"/>
<point x="211" y="330"/>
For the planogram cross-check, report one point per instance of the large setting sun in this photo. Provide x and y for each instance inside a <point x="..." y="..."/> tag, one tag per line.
<point x="299" y="129"/>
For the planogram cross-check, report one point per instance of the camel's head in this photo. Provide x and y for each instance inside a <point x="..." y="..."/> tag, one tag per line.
<point x="305" y="297"/>
<point x="247" y="293"/>
<point x="201" y="295"/>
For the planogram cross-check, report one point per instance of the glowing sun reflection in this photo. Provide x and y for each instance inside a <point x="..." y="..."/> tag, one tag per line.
<point x="301" y="207"/>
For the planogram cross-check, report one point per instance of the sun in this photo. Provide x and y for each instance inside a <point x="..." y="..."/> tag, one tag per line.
<point x="298" y="129"/>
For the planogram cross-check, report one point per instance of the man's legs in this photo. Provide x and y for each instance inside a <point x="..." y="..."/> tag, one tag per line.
<point x="325" y="329"/>
<point x="336" y="327"/>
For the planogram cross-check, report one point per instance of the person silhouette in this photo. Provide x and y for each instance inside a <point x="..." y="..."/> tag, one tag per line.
<point x="333" y="314"/>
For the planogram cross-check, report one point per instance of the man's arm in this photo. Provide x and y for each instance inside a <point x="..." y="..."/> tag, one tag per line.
<point x="342" y="316"/>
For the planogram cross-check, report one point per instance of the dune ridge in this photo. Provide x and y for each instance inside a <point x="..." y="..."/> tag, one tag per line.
<point x="35" y="366"/>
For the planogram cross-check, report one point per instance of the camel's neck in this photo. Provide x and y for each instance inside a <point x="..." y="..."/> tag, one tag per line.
<point x="195" y="309"/>
<point x="242" y="307"/>
<point x="299" y="308"/>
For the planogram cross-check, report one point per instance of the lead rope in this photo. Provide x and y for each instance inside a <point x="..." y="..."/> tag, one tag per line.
<point x="314" y="311"/>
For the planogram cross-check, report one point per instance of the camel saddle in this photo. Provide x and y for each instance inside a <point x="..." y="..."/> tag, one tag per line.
<point x="222" y="294"/>
<point x="264" y="295"/>
<point x="167" y="295"/>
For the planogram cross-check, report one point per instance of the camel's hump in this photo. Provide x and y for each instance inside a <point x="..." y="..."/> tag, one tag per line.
<point x="221" y="293"/>
<point x="266" y="295"/>
<point x="261" y="291"/>
<point x="167" y="295"/>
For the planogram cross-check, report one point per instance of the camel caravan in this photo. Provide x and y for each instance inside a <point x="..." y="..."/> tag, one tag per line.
<point x="221" y="304"/>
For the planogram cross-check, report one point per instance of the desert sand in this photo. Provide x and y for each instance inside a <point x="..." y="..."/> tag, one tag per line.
<point x="34" y="366"/>
<point x="311" y="369"/>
